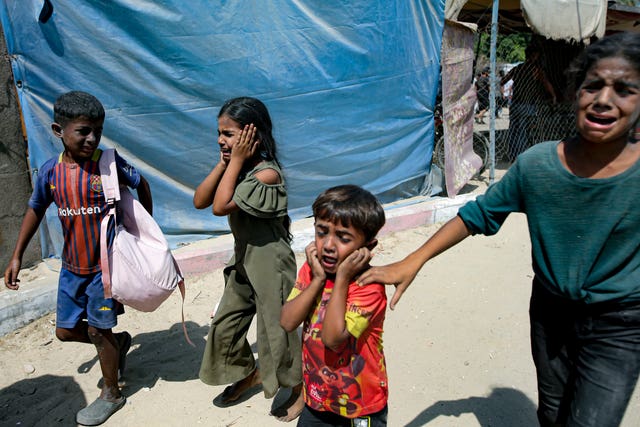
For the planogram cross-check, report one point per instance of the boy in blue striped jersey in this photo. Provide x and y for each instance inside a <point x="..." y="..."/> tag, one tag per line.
<point x="72" y="181"/>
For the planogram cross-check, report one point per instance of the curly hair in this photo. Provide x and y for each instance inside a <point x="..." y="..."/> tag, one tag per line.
<point x="77" y="104"/>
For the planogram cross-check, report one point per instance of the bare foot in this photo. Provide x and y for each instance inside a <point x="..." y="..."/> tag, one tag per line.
<point x="291" y="409"/>
<point x="235" y="390"/>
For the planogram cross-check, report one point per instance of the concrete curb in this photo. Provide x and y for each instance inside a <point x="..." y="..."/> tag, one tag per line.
<point x="18" y="308"/>
<point x="210" y="254"/>
<point x="38" y="298"/>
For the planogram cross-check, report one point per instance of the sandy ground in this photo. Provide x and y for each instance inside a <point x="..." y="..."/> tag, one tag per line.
<point x="457" y="350"/>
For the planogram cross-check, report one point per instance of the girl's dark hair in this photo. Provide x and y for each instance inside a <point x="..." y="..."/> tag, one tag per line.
<point x="76" y="104"/>
<point x="623" y="44"/>
<point x="351" y="206"/>
<point x="245" y="110"/>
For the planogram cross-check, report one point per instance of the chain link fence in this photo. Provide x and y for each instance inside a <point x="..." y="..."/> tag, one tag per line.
<point x="532" y="103"/>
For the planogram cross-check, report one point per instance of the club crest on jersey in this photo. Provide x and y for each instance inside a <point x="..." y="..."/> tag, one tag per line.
<point x="96" y="183"/>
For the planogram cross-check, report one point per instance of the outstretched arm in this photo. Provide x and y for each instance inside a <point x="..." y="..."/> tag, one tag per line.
<point x="28" y="228"/>
<point x="144" y="195"/>
<point x="401" y="273"/>
<point x="296" y="310"/>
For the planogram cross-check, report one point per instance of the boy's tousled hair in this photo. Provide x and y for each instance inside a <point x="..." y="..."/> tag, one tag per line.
<point x="351" y="206"/>
<point x="77" y="104"/>
<point x="625" y="44"/>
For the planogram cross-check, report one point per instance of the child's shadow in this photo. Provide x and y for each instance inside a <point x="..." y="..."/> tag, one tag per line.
<point x="162" y="355"/>
<point x="41" y="401"/>
<point x="504" y="407"/>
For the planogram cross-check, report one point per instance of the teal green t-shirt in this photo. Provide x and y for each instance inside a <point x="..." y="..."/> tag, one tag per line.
<point x="584" y="232"/>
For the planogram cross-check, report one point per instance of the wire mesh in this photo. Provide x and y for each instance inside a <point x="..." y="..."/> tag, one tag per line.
<point x="532" y="104"/>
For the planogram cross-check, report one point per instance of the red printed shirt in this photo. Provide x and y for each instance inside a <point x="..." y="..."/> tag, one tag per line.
<point x="76" y="189"/>
<point x="350" y="382"/>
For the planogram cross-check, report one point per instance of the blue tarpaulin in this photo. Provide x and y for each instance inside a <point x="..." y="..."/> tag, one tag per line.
<point x="350" y="85"/>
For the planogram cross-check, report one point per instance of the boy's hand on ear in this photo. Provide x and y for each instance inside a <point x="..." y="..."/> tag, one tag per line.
<point x="352" y="265"/>
<point x="312" y="258"/>
<point x="246" y="146"/>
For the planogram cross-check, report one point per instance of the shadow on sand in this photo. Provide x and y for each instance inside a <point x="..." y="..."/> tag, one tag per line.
<point x="504" y="407"/>
<point x="163" y="354"/>
<point x="50" y="399"/>
<point x="41" y="401"/>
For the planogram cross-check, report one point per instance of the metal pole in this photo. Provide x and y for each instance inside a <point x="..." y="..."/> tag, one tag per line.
<point x="492" y="92"/>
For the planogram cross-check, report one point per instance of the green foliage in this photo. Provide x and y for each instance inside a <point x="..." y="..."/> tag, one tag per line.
<point x="509" y="48"/>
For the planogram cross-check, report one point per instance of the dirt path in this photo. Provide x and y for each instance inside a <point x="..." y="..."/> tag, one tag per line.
<point x="457" y="350"/>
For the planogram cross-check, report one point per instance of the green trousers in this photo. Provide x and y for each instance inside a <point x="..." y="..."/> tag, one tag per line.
<point x="228" y="356"/>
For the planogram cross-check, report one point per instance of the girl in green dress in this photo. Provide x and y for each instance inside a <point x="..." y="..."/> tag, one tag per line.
<point x="247" y="185"/>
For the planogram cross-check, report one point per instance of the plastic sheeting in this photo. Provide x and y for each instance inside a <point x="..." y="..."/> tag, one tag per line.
<point x="566" y="19"/>
<point x="350" y="85"/>
<point x="458" y="99"/>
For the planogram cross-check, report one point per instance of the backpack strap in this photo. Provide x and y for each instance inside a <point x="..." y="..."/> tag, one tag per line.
<point x="183" y="293"/>
<point x="111" y="190"/>
<point x="109" y="175"/>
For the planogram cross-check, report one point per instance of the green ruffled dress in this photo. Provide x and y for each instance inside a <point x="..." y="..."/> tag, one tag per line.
<point x="258" y="280"/>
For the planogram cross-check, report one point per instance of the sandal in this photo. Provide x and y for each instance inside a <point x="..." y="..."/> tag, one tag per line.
<point x="292" y="408"/>
<point x="240" y="390"/>
<point x="99" y="411"/>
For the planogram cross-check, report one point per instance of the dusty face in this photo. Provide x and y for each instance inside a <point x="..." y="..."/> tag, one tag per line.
<point x="608" y="101"/>
<point x="228" y="134"/>
<point x="80" y="137"/>
<point x="334" y="242"/>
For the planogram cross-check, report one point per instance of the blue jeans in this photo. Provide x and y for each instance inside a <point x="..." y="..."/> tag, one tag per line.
<point x="587" y="359"/>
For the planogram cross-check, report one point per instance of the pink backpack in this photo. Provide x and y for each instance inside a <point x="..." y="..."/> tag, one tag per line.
<point x="138" y="269"/>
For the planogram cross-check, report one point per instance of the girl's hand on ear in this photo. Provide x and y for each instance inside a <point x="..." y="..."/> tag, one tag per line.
<point x="247" y="143"/>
